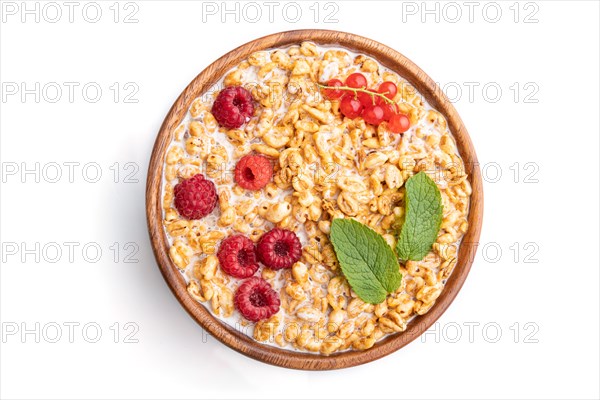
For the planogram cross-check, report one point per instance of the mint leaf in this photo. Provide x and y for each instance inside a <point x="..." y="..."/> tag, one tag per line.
<point x="367" y="261"/>
<point x="422" y="220"/>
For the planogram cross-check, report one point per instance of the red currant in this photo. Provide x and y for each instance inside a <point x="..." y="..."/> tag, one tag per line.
<point x="333" y="94"/>
<point x="399" y="123"/>
<point x="351" y="107"/>
<point x="388" y="111"/>
<point x="373" y="115"/>
<point x="356" y="80"/>
<point x="388" y="89"/>
<point x="368" y="99"/>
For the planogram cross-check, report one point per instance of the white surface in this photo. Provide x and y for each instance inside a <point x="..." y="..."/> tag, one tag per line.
<point x="172" y="359"/>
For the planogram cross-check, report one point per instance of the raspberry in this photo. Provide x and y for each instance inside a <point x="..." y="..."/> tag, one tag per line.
<point x="233" y="107"/>
<point x="256" y="300"/>
<point x="279" y="248"/>
<point x="253" y="172"/>
<point x="195" y="197"/>
<point x="237" y="256"/>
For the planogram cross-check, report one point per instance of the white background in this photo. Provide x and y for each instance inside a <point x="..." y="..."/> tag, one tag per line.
<point x="552" y="124"/>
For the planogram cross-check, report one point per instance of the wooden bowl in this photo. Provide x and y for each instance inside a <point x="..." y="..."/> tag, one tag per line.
<point x="238" y="340"/>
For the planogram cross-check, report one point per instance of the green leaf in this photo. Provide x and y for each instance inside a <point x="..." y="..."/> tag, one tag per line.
<point x="423" y="218"/>
<point x="367" y="261"/>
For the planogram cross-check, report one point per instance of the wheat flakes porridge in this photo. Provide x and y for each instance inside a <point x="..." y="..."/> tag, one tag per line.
<point x="325" y="162"/>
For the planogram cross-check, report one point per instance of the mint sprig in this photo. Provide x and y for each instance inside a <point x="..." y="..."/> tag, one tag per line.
<point x="422" y="220"/>
<point x="367" y="261"/>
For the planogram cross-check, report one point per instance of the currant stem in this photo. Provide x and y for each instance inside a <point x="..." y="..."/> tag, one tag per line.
<point x="356" y="90"/>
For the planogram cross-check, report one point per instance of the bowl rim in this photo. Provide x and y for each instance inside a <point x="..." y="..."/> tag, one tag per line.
<point x="239" y="341"/>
